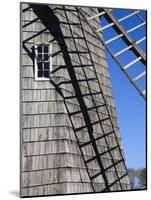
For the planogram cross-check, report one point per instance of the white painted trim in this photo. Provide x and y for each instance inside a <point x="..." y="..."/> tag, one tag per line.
<point x="36" y="66"/>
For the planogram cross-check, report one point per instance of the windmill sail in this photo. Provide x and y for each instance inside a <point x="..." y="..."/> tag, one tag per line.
<point x="131" y="44"/>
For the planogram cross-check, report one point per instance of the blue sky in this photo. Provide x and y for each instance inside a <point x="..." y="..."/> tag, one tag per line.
<point x="129" y="104"/>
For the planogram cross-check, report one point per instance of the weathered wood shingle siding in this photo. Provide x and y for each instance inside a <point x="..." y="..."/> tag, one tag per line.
<point x="51" y="159"/>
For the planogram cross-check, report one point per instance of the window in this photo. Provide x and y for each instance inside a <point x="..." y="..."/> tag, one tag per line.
<point x="43" y="65"/>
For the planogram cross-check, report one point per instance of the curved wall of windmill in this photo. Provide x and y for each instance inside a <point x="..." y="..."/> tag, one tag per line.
<point x="51" y="161"/>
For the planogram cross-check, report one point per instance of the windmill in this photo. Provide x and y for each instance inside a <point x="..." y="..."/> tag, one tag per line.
<point x="70" y="137"/>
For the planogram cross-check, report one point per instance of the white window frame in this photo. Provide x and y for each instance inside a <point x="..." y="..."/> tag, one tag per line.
<point x="36" y="65"/>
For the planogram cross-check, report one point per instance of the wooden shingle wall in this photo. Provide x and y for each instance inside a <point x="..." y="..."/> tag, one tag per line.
<point x="51" y="162"/>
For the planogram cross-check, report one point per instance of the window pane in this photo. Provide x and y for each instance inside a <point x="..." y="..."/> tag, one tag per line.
<point x="40" y="73"/>
<point x="46" y="74"/>
<point x="45" y="49"/>
<point x="46" y="66"/>
<point x="39" y="56"/>
<point x="39" y="49"/>
<point x="42" y="64"/>
<point x="39" y="65"/>
<point x="46" y="57"/>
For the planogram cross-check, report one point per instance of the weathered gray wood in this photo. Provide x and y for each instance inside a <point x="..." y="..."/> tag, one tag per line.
<point x="51" y="159"/>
